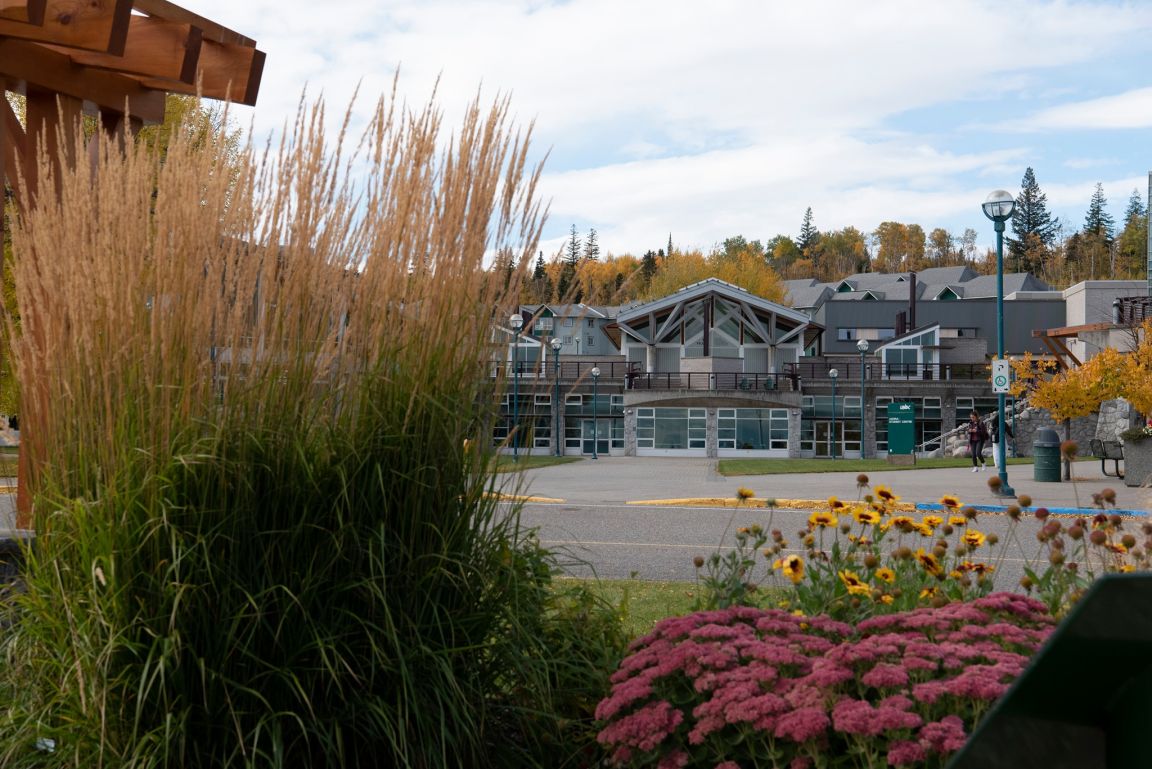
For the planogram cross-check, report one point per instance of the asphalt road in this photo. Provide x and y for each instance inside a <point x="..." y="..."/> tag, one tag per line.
<point x="659" y="543"/>
<point x="596" y="531"/>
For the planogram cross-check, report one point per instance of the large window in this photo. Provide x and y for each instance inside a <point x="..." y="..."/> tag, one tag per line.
<point x="913" y="356"/>
<point x="752" y="429"/>
<point x="670" y="428"/>
<point x="821" y="426"/>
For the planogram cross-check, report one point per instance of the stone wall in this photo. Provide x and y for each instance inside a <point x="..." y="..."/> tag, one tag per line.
<point x="1028" y="423"/>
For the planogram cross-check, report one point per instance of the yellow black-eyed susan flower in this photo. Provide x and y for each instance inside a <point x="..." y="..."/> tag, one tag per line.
<point x="929" y="562"/>
<point x="822" y="519"/>
<point x="974" y="538"/>
<point x="791" y="566"/>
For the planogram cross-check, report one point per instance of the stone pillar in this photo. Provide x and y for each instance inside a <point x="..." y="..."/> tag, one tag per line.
<point x="650" y="359"/>
<point x="711" y="432"/>
<point x="793" y="433"/>
<point x="629" y="432"/>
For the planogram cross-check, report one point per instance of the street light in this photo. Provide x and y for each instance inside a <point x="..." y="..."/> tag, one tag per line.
<point x="595" y="411"/>
<point x="517" y="322"/>
<point x="556" y="345"/>
<point x="833" y="374"/>
<point x="862" y="346"/>
<point x="1015" y="446"/>
<point x="998" y="207"/>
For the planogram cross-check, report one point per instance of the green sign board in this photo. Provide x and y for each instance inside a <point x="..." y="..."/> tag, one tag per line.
<point x="901" y="428"/>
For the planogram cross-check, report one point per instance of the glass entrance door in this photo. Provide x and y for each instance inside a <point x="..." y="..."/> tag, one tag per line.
<point x="593" y="435"/>
<point x="826" y="438"/>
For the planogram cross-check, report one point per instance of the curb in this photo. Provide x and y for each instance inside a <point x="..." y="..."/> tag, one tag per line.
<point x="1085" y="511"/>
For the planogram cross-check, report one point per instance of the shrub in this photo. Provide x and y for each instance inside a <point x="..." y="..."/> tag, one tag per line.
<point x="263" y="539"/>
<point x="745" y="687"/>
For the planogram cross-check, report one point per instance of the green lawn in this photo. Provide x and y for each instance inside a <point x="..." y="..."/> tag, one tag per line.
<point x="504" y="463"/>
<point x="783" y="466"/>
<point x="642" y="603"/>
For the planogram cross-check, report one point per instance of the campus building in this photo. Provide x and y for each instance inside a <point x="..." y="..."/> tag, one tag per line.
<point x="713" y="370"/>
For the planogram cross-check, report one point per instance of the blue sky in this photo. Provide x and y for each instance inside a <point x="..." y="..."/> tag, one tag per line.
<point x="706" y="120"/>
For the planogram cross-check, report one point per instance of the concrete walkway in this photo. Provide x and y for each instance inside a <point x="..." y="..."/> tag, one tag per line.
<point x="618" y="480"/>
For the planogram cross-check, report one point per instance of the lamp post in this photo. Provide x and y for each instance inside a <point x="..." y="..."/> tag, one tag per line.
<point x="595" y="411"/>
<point x="1015" y="446"/>
<point x="517" y="322"/>
<point x="556" y="345"/>
<point x="862" y="346"/>
<point x="998" y="207"/>
<point x="833" y="374"/>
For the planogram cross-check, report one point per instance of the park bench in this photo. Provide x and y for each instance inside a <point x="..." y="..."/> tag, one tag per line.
<point x="1105" y="450"/>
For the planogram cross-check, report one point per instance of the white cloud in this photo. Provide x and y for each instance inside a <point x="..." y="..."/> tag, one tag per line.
<point x="712" y="119"/>
<point x="1131" y="109"/>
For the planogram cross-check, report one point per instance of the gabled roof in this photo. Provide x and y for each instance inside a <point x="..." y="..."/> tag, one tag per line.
<point x="809" y="296"/>
<point x="956" y="291"/>
<point x="985" y="285"/>
<point x="949" y="275"/>
<point x="713" y="285"/>
<point x="870" y="294"/>
<point x="576" y="311"/>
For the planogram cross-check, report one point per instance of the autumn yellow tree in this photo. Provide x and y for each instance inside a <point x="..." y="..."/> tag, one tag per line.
<point x="1078" y="392"/>
<point x="743" y="267"/>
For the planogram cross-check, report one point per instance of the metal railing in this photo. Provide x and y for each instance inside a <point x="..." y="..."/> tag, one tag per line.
<point x="725" y="380"/>
<point x="875" y="371"/>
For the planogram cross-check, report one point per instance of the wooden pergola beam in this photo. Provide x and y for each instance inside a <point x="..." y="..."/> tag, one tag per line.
<point x="94" y="26"/>
<point x="212" y="31"/>
<point x="27" y="11"/>
<point x="155" y="48"/>
<point x="34" y="66"/>
<point x="225" y="72"/>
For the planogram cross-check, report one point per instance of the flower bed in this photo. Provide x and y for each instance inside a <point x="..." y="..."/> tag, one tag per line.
<point x="751" y="687"/>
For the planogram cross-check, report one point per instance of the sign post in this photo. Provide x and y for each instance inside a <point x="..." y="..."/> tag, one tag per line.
<point x="1001" y="376"/>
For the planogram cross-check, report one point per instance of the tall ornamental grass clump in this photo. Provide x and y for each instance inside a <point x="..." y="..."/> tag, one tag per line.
<point x="257" y="410"/>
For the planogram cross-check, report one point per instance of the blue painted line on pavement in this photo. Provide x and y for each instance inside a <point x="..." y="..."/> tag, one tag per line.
<point x="1087" y="511"/>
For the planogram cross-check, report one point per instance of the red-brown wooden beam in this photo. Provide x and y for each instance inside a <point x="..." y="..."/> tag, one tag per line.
<point x="27" y="11"/>
<point x="226" y="72"/>
<point x="95" y="26"/>
<point x="212" y="31"/>
<point x="36" y="66"/>
<point x="155" y="48"/>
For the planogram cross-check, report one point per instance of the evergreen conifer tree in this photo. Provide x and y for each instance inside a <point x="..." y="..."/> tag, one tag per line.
<point x="1033" y="226"/>
<point x="808" y="234"/>
<point x="1095" y="256"/>
<point x="1132" y="243"/>
<point x="1098" y="221"/>
<point x="591" y="247"/>
<point x="572" y="251"/>
<point x="648" y="266"/>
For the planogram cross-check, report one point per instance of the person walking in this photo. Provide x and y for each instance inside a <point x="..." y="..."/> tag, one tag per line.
<point x="977" y="437"/>
<point x="1009" y="437"/>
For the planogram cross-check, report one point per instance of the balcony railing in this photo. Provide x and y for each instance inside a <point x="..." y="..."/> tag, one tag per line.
<point x="729" y="381"/>
<point x="875" y="371"/>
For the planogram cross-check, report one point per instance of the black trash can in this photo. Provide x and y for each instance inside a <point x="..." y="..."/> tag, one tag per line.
<point x="1046" y="456"/>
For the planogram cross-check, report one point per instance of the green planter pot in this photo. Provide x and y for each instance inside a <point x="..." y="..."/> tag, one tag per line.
<point x="1138" y="463"/>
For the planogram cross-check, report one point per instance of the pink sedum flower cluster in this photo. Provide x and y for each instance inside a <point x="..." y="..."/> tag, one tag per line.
<point x="744" y="687"/>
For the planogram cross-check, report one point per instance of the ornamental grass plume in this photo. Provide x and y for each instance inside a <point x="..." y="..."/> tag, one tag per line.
<point x="754" y="687"/>
<point x="267" y="427"/>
